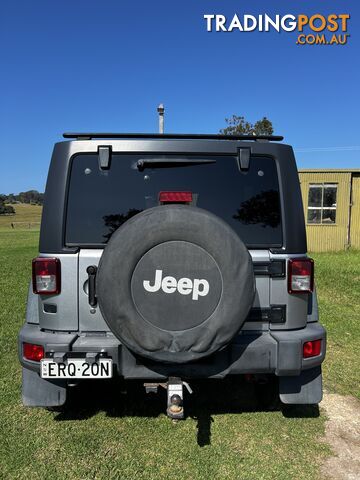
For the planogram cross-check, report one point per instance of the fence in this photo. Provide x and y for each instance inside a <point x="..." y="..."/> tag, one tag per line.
<point x="26" y="225"/>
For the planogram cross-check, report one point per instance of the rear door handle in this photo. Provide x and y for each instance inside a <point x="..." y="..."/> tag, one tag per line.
<point x="91" y="271"/>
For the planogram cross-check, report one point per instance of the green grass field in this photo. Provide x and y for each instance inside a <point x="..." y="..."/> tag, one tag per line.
<point x="338" y="283"/>
<point x="227" y="435"/>
<point x="26" y="217"/>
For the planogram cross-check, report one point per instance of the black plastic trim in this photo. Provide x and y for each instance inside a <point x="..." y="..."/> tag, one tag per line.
<point x="167" y="136"/>
<point x="104" y="157"/>
<point x="278" y="352"/>
<point x="243" y="158"/>
<point x="50" y="308"/>
<point x="273" y="268"/>
<point x="91" y="271"/>
<point x="273" y="314"/>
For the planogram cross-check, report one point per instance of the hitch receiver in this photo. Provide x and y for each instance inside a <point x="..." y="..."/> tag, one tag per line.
<point x="175" y="395"/>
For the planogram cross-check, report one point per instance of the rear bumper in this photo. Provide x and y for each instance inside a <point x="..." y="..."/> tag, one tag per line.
<point x="278" y="352"/>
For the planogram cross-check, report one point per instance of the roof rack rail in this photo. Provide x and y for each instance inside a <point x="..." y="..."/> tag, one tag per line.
<point x="182" y="136"/>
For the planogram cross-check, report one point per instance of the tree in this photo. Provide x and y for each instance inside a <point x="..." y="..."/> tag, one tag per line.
<point x="113" y="222"/>
<point x="31" y="196"/>
<point x="6" y="209"/>
<point x="239" y="126"/>
<point x="263" y="209"/>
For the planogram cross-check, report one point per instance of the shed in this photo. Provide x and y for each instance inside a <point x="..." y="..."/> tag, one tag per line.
<point x="331" y="199"/>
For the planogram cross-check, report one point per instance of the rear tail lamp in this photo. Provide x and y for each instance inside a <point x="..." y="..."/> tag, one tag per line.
<point x="312" y="349"/>
<point x="33" y="352"/>
<point x="46" y="275"/>
<point x="175" y="197"/>
<point x="300" y="275"/>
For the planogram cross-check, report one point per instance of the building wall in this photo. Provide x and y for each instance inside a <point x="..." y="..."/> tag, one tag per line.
<point x="355" y="212"/>
<point x="322" y="237"/>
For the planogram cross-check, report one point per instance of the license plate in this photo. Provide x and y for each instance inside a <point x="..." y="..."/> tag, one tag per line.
<point x="76" y="368"/>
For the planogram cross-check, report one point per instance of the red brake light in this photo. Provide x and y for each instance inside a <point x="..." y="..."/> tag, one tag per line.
<point x="33" y="352"/>
<point x="175" y="197"/>
<point x="300" y="275"/>
<point x="312" y="349"/>
<point x="46" y="275"/>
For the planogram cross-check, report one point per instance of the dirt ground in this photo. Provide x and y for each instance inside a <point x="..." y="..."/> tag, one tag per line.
<point x="343" y="434"/>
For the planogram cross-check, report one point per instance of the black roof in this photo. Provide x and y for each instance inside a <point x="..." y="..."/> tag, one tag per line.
<point x="54" y="211"/>
<point x="185" y="136"/>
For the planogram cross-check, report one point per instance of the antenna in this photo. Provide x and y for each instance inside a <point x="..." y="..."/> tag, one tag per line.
<point x="161" y="111"/>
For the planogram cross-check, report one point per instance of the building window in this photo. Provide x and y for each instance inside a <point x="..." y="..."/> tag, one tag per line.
<point x="322" y="203"/>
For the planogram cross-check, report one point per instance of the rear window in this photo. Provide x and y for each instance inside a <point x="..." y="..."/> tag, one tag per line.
<point x="99" y="201"/>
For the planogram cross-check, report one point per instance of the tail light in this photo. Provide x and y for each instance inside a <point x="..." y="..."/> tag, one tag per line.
<point x="312" y="349"/>
<point x="33" y="352"/>
<point x="46" y="275"/>
<point x="175" y="197"/>
<point x="300" y="275"/>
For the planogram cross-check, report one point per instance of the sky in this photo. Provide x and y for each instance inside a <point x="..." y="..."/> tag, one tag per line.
<point x="105" y="65"/>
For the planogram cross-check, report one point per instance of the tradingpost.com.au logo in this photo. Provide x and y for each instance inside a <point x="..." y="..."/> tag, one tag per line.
<point x="315" y="29"/>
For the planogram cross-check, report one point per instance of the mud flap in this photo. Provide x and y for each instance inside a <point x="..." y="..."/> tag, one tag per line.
<point x="37" y="392"/>
<point x="302" y="389"/>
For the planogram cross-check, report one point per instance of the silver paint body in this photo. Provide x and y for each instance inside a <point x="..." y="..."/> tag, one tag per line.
<point x="75" y="314"/>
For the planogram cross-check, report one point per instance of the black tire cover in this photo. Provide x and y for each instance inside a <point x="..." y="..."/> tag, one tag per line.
<point x="175" y="283"/>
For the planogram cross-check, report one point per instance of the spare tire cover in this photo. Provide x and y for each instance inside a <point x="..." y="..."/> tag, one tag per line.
<point x="175" y="283"/>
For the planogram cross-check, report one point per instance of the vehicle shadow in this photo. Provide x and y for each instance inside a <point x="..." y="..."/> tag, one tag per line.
<point x="209" y="398"/>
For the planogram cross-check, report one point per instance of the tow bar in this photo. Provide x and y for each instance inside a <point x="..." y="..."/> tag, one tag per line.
<point x="175" y="395"/>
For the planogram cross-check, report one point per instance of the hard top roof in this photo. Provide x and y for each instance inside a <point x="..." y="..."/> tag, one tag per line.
<point x="167" y="136"/>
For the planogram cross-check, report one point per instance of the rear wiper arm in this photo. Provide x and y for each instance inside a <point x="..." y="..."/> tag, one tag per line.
<point x="168" y="163"/>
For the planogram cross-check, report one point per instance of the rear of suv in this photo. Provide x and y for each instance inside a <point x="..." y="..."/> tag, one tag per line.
<point x="165" y="258"/>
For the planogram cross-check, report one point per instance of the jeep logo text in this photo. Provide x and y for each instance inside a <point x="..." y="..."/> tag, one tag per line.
<point x="185" y="286"/>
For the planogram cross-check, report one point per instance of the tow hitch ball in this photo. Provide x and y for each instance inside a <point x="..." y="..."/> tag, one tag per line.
<point x="175" y="395"/>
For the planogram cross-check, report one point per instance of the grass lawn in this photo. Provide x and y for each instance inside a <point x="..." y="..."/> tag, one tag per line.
<point x="338" y="283"/>
<point x="26" y="216"/>
<point x="226" y="435"/>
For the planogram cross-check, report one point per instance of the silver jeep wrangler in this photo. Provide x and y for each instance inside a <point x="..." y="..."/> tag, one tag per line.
<point x="168" y="258"/>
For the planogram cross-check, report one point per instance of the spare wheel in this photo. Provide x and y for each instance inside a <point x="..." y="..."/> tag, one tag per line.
<point x="175" y="283"/>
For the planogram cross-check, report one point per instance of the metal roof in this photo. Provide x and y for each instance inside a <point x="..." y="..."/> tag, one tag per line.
<point x="329" y="170"/>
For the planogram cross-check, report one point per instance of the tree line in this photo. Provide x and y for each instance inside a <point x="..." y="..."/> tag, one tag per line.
<point x="32" y="197"/>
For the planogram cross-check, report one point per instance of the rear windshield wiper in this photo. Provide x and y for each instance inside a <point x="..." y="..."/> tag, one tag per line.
<point x="168" y="162"/>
